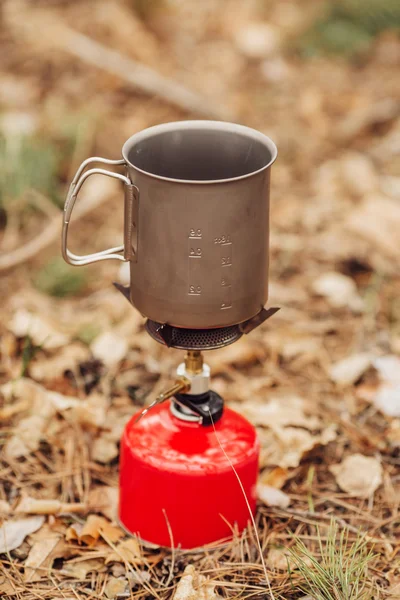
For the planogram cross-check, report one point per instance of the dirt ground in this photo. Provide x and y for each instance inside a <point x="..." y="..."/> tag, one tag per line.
<point x="320" y="380"/>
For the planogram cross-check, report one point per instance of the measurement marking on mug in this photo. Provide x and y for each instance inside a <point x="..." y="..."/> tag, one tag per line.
<point x="194" y="267"/>
<point x="225" y="243"/>
<point x="194" y="290"/>
<point x="223" y="240"/>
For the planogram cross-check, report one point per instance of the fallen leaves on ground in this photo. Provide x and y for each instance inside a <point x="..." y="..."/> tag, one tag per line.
<point x="276" y="477"/>
<point x="79" y="570"/>
<point x="127" y="551"/>
<point x="5" y="508"/>
<point x="104" y="499"/>
<point x="47" y="546"/>
<point x="13" y="533"/>
<point x="42" y="405"/>
<point x="286" y="446"/>
<point x="115" y="586"/>
<point x="68" y="358"/>
<point x="94" y="528"/>
<point x="304" y="375"/>
<point x="92" y="412"/>
<point x="358" y="475"/>
<point x="286" y="431"/>
<point x="387" y="397"/>
<point x="278" y="558"/>
<point x="377" y="220"/>
<point x="42" y="332"/>
<point x="104" y="450"/>
<point x="348" y="370"/>
<point x="278" y="411"/>
<point x="271" y="496"/>
<point x="109" y="348"/>
<point x="339" y="290"/>
<point x="194" y="586"/>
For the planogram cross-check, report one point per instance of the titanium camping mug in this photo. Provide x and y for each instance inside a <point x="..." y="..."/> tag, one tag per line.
<point x="196" y="230"/>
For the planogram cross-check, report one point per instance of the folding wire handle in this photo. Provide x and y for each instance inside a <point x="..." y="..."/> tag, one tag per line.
<point x="128" y="250"/>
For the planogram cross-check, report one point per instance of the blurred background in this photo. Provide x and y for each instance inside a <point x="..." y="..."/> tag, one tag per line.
<point x="321" y="78"/>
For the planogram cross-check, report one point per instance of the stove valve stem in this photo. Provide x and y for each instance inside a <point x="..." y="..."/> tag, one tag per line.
<point x="182" y="385"/>
<point x="195" y="371"/>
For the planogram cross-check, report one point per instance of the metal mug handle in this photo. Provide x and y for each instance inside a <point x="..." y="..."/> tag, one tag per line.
<point x="129" y="248"/>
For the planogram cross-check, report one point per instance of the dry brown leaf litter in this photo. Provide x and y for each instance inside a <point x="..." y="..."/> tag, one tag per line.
<point x="358" y="475"/>
<point x="313" y="380"/>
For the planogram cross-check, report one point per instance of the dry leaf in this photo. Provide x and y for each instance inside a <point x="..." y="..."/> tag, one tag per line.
<point x="286" y="446"/>
<point x="293" y="347"/>
<point x="44" y="551"/>
<point x="393" y="433"/>
<point x="5" y="508"/>
<point x="41" y="402"/>
<point x="128" y="551"/>
<point x="104" y="500"/>
<point x="358" y="475"/>
<point x="115" y="587"/>
<point x="7" y="588"/>
<point x="79" y="570"/>
<point x="377" y="220"/>
<point x="15" y="448"/>
<point x="104" y="450"/>
<point x="287" y="410"/>
<point x="358" y="174"/>
<point x="91" y="412"/>
<point x="13" y="409"/>
<point x="67" y="358"/>
<point x="115" y="425"/>
<point x="138" y="577"/>
<point x="258" y="40"/>
<point x="278" y="559"/>
<point x="61" y="402"/>
<point x="94" y="528"/>
<point x="339" y="290"/>
<point x="275" y="478"/>
<point x="350" y="369"/>
<point x="27" y="437"/>
<point x="387" y="395"/>
<point x="394" y="589"/>
<point x="109" y="348"/>
<point x="41" y="332"/>
<point x="73" y="532"/>
<point x="272" y="497"/>
<point x="387" y="399"/>
<point x="13" y="533"/>
<point x="390" y="186"/>
<point x="193" y="586"/>
<point x="34" y="394"/>
<point x="244" y="352"/>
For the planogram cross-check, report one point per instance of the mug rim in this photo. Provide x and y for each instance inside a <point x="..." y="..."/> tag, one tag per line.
<point x="200" y="124"/>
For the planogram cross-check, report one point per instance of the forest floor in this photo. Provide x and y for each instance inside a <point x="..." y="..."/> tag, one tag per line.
<point x="320" y="381"/>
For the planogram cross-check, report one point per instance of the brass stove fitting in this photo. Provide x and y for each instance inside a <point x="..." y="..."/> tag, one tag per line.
<point x="194" y="362"/>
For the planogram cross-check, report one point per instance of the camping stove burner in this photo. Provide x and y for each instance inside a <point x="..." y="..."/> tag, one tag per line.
<point x="193" y="339"/>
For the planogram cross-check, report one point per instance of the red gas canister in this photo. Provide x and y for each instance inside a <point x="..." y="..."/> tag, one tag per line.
<point x="174" y="475"/>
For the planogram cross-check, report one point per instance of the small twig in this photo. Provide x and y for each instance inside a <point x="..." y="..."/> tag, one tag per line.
<point x="139" y="76"/>
<point x="171" y="538"/>
<point x="50" y="233"/>
<point x="34" y="506"/>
